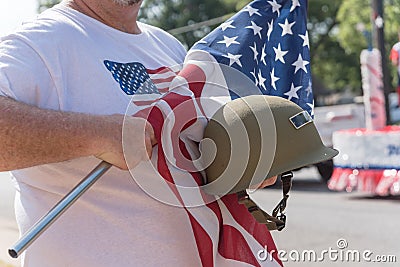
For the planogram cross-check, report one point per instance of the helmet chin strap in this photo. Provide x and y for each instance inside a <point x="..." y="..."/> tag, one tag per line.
<point x="278" y="219"/>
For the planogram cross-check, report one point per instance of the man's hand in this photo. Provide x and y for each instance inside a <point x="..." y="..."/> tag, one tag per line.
<point x="268" y="182"/>
<point x="127" y="141"/>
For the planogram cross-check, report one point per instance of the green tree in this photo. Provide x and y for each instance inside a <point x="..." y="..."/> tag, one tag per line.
<point x="173" y="14"/>
<point x="45" y="4"/>
<point x="330" y="63"/>
<point x="336" y="39"/>
<point x="354" y="12"/>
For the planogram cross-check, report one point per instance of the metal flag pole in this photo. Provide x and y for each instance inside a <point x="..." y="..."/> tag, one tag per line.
<point x="36" y="230"/>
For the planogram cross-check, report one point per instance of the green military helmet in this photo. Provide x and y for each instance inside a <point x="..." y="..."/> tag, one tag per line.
<point x="254" y="138"/>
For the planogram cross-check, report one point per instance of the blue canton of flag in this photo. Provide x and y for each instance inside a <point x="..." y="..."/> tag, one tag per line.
<point x="132" y="78"/>
<point x="268" y="42"/>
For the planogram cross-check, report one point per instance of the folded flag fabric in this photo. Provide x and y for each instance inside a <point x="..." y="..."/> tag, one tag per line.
<point x="267" y="42"/>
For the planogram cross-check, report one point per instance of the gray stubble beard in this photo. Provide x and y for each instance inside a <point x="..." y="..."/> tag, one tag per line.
<point x="126" y="2"/>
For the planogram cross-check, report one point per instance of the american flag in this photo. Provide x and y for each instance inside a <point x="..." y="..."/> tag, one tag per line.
<point x="267" y="41"/>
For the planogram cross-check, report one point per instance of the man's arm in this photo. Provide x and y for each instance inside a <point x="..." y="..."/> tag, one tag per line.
<point x="31" y="136"/>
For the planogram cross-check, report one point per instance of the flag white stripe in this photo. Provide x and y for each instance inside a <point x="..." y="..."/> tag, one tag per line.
<point x="251" y="241"/>
<point x="162" y="75"/>
<point x="162" y="85"/>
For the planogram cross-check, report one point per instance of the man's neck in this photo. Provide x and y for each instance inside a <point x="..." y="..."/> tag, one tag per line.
<point x="123" y="18"/>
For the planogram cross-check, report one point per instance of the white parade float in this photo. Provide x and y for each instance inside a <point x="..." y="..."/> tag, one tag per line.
<point x="369" y="158"/>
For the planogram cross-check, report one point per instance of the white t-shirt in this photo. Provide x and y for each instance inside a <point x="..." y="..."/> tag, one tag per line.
<point x="67" y="61"/>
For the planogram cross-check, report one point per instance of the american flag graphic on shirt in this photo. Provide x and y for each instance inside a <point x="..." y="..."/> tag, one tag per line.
<point x="135" y="79"/>
<point x="267" y="41"/>
<point x="132" y="77"/>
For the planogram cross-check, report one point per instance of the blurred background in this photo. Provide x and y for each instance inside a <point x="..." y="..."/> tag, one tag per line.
<point x="338" y="31"/>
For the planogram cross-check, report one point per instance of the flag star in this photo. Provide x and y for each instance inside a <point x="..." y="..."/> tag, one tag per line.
<point x="251" y="10"/>
<point x="287" y="27"/>
<point x="261" y="80"/>
<point x="229" y="40"/>
<point x="279" y="54"/>
<point x="311" y="105"/>
<point x="309" y="88"/>
<point x="233" y="59"/>
<point x="293" y="92"/>
<point x="306" y="41"/>
<point x="275" y="6"/>
<point x="253" y="73"/>
<point x="270" y="28"/>
<point x="256" y="29"/>
<point x="263" y="55"/>
<point x="274" y="79"/>
<point x="300" y="64"/>
<point x="295" y="4"/>
<point x="227" y="24"/>
<point x="254" y="49"/>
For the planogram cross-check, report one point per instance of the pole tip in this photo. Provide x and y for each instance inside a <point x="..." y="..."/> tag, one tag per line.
<point x="13" y="253"/>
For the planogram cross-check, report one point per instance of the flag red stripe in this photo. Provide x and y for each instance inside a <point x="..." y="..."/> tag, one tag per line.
<point x="160" y="70"/>
<point x="162" y="80"/>
<point x="143" y="103"/>
<point x="203" y="242"/>
<point x="232" y="245"/>
<point x="163" y="90"/>
<point x="259" y="231"/>
<point x="196" y="79"/>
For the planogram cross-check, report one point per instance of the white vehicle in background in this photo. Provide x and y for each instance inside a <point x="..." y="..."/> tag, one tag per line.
<point x="394" y="108"/>
<point x="329" y="119"/>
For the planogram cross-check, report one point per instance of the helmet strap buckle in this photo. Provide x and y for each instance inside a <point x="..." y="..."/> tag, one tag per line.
<point x="278" y="219"/>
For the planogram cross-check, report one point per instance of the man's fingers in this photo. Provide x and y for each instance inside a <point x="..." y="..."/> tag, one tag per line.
<point x="150" y="131"/>
<point x="149" y="147"/>
<point x="153" y="140"/>
<point x="150" y="139"/>
<point x="268" y="182"/>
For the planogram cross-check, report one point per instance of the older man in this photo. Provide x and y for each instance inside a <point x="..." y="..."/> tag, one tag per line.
<point x="60" y="114"/>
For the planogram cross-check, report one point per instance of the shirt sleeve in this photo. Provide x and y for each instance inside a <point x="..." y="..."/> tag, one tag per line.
<point x="23" y="74"/>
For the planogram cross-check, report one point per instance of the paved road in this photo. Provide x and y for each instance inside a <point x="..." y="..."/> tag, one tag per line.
<point x="317" y="219"/>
